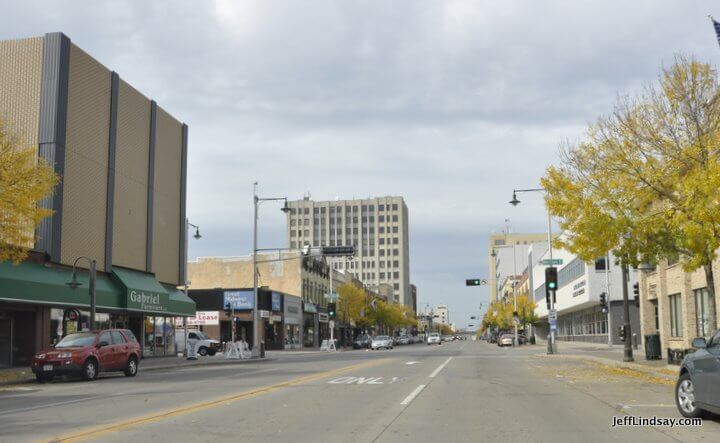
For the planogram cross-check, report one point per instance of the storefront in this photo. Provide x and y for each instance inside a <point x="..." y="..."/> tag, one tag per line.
<point x="274" y="325"/>
<point x="293" y="320"/>
<point x="310" y="325"/>
<point x="38" y="308"/>
<point x="323" y="325"/>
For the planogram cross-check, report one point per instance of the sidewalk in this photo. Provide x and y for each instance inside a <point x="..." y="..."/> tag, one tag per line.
<point x="25" y="374"/>
<point x="612" y="356"/>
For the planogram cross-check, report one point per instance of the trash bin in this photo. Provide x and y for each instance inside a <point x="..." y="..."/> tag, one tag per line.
<point x="652" y="347"/>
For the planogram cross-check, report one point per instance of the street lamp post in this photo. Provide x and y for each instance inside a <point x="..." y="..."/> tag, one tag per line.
<point x="74" y="283"/>
<point x="196" y="236"/>
<point x="515" y="202"/>
<point x="256" y="312"/>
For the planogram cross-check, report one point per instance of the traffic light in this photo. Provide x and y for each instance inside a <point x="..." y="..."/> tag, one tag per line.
<point x="636" y="293"/>
<point x="331" y="310"/>
<point x="603" y="302"/>
<point x="621" y="331"/>
<point x="472" y="282"/>
<point x="228" y="309"/>
<point x="550" y="284"/>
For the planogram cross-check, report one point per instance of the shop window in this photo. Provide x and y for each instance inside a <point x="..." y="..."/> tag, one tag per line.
<point x="676" y="323"/>
<point x="704" y="312"/>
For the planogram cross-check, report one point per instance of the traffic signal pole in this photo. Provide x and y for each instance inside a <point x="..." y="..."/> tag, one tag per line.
<point x="628" y="354"/>
<point x="551" y="341"/>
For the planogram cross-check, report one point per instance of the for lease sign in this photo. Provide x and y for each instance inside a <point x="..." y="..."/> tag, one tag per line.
<point x="202" y="318"/>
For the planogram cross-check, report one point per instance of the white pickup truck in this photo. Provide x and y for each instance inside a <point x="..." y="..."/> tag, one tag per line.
<point x="205" y="345"/>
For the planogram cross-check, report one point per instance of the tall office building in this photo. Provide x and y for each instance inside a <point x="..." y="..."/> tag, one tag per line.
<point x="377" y="227"/>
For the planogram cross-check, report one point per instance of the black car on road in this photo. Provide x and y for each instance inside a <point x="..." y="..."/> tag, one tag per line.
<point x="698" y="386"/>
<point x="362" y="341"/>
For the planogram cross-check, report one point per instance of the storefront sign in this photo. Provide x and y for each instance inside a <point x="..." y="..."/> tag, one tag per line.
<point x="147" y="301"/>
<point x="264" y="314"/>
<point x="310" y="307"/>
<point x="276" y="302"/>
<point x="201" y="318"/>
<point x="323" y="317"/>
<point x="293" y="310"/>
<point x="238" y="299"/>
<point x="276" y="318"/>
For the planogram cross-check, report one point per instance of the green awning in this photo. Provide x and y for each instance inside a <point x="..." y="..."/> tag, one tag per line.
<point x="39" y="284"/>
<point x="144" y="293"/>
<point x="180" y="303"/>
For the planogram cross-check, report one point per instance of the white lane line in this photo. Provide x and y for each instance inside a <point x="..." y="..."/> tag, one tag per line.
<point x="412" y="395"/>
<point x="440" y="368"/>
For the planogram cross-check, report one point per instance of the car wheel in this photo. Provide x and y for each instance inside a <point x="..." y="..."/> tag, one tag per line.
<point x="132" y="367"/>
<point x="90" y="369"/>
<point x="685" y="397"/>
<point x="211" y="353"/>
<point x="203" y="351"/>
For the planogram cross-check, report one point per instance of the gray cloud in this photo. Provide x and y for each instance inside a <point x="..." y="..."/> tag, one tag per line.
<point x="450" y="104"/>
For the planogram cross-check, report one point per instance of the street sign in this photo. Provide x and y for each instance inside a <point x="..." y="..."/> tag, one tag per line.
<point x="553" y="262"/>
<point x="552" y="314"/>
<point x="338" y="251"/>
<point x="553" y="324"/>
<point x="332" y="297"/>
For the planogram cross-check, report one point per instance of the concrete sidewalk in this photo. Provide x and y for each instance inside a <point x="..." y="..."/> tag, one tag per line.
<point x="25" y="375"/>
<point x="612" y="356"/>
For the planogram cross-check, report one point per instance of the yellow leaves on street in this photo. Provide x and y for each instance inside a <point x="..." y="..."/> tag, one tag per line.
<point x="356" y="304"/>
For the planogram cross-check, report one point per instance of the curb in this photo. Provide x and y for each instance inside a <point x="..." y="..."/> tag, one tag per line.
<point x="616" y="364"/>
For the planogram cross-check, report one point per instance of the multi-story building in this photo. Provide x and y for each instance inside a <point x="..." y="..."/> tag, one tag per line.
<point x="377" y="227"/>
<point x="122" y="163"/>
<point x="580" y="316"/>
<point x="441" y="315"/>
<point x="500" y="253"/>
<point x="677" y="305"/>
<point x="287" y="273"/>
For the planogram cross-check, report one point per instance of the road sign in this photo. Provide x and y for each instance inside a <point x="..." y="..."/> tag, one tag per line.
<point x="553" y="262"/>
<point x="553" y="324"/>
<point x="552" y="314"/>
<point x="331" y="297"/>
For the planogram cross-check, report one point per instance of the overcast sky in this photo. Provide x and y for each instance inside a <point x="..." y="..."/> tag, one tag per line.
<point x="449" y="104"/>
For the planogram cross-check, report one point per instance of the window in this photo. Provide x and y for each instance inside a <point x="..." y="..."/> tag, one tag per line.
<point x="117" y="337"/>
<point x="382" y="240"/>
<point x="293" y="222"/>
<point x="396" y="286"/>
<point x="396" y="274"/>
<point x="675" y="316"/>
<point x="364" y="208"/>
<point x="396" y="251"/>
<point x="394" y="208"/>
<point x="292" y="233"/>
<point x="395" y="229"/>
<point x="382" y="253"/>
<point x="306" y="233"/>
<point x="395" y="218"/>
<point x="600" y="264"/>
<point x="293" y="244"/>
<point x="382" y="264"/>
<point x="381" y="229"/>
<point x="704" y="312"/>
<point x="396" y="264"/>
<point x="381" y="207"/>
<point x="306" y="211"/>
<point x="382" y="276"/>
<point x="105" y="337"/>
<point x="381" y="218"/>
<point x="306" y="222"/>
<point x="395" y="240"/>
<point x="316" y="211"/>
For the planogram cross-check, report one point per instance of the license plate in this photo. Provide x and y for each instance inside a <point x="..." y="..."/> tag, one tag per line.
<point x="47" y="367"/>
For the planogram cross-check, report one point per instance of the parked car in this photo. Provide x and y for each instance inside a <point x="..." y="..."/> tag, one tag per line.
<point x="447" y="338"/>
<point x="89" y="353"/>
<point x="381" y="341"/>
<point x="362" y="341"/>
<point x="204" y="346"/>
<point x="403" y="340"/>
<point x="696" y="390"/>
<point x="505" y="340"/>
<point x="434" y="338"/>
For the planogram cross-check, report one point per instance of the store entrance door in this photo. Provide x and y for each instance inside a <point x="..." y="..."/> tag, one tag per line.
<point x="5" y="340"/>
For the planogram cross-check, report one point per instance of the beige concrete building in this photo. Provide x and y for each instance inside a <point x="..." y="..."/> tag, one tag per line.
<point x="377" y="227"/>
<point x="122" y="163"/>
<point x="499" y="243"/>
<point x="677" y="305"/>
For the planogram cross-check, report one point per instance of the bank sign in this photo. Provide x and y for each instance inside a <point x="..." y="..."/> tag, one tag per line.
<point x="147" y="301"/>
<point x="238" y="299"/>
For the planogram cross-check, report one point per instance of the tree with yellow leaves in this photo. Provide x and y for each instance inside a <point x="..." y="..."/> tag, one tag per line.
<point x="25" y="180"/>
<point x="643" y="183"/>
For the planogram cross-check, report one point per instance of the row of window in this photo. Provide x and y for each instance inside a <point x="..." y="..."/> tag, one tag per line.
<point x="369" y="264"/>
<point x="354" y="220"/>
<point x="332" y="209"/>
<point x="585" y="323"/>
<point x="705" y="314"/>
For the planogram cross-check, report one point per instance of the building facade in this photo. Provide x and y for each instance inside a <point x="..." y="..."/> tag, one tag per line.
<point x="500" y="252"/>
<point x="377" y="227"/>
<point x="122" y="163"/>
<point x="441" y="315"/>
<point x="579" y="314"/>
<point x="290" y="273"/>
<point x="677" y="305"/>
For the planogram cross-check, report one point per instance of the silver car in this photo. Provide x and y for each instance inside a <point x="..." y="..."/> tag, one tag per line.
<point x="380" y="342"/>
<point x="698" y="387"/>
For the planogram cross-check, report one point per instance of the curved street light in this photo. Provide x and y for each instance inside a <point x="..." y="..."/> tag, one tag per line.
<point x="74" y="284"/>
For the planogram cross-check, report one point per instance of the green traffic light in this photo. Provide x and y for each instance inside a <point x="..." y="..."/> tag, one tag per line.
<point x="552" y="285"/>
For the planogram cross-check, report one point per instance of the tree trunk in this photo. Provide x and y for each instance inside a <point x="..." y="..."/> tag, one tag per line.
<point x="710" y="280"/>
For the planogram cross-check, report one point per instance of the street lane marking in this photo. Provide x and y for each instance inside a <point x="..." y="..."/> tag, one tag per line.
<point x="660" y="405"/>
<point x="97" y="431"/>
<point x="411" y="362"/>
<point x="440" y="368"/>
<point x="361" y="381"/>
<point x="412" y="395"/>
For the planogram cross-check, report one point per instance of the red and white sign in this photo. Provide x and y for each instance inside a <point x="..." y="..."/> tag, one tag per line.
<point x="202" y="318"/>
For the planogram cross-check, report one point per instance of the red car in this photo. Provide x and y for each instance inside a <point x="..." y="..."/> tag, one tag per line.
<point x="88" y="353"/>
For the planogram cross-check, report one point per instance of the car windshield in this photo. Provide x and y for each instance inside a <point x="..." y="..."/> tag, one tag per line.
<point x="200" y="335"/>
<point x="434" y="334"/>
<point x="77" y="340"/>
<point x="382" y="337"/>
<point x="361" y="337"/>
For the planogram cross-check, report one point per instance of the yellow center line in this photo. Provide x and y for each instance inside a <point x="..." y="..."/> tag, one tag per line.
<point x="97" y="431"/>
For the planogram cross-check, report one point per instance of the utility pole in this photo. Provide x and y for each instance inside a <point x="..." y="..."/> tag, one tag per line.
<point x="607" y="291"/>
<point x="256" y="311"/>
<point x="628" y="354"/>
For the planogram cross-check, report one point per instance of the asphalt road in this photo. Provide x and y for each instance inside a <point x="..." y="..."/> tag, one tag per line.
<point x="463" y="391"/>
